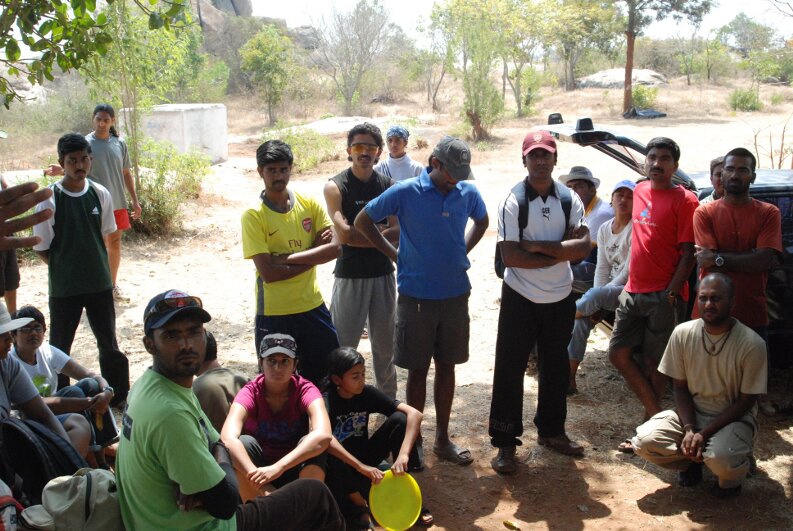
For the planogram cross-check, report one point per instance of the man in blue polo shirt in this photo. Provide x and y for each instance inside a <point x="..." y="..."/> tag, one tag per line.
<point x="432" y="309"/>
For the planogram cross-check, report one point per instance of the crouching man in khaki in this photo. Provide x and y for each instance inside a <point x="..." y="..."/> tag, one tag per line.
<point x="719" y="368"/>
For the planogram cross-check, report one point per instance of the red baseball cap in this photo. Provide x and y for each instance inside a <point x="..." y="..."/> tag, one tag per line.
<point x="539" y="140"/>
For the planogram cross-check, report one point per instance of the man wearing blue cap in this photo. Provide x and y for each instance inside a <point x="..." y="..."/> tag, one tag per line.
<point x="172" y="470"/>
<point x="432" y="280"/>
<point x="398" y="166"/>
<point x="611" y="274"/>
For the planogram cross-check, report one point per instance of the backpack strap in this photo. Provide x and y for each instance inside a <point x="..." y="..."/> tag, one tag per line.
<point x="522" y="197"/>
<point x="566" y="199"/>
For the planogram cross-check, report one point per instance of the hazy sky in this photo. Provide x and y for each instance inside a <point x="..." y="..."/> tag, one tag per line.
<point x="409" y="13"/>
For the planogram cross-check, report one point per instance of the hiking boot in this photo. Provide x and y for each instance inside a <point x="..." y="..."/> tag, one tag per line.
<point x="691" y="476"/>
<point x="504" y="463"/>
<point x="562" y="444"/>
<point x="118" y="296"/>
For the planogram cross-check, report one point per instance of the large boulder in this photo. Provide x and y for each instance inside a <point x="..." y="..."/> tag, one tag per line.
<point x="240" y="8"/>
<point x="615" y="78"/>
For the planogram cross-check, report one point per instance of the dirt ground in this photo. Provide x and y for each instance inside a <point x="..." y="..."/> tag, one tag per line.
<point x="604" y="489"/>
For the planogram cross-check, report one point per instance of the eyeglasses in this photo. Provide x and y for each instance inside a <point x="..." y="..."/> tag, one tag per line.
<point x="360" y="149"/>
<point x="270" y="342"/>
<point x="38" y="329"/>
<point x="174" y="303"/>
<point x="276" y="363"/>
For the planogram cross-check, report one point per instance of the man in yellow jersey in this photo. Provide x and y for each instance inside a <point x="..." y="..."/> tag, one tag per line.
<point x="286" y="236"/>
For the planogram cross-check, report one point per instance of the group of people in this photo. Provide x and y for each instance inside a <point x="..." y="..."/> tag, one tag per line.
<point x="400" y="234"/>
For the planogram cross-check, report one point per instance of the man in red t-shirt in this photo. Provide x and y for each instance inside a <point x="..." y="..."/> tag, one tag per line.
<point x="662" y="255"/>
<point x="740" y="237"/>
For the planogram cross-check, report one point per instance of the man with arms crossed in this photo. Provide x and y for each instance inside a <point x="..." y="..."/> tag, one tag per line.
<point x="172" y="470"/>
<point x="718" y="366"/>
<point x="432" y="309"/>
<point x="364" y="287"/>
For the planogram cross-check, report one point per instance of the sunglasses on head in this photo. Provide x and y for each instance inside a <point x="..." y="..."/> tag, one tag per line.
<point x="174" y="303"/>
<point x="270" y="342"/>
<point x="360" y="149"/>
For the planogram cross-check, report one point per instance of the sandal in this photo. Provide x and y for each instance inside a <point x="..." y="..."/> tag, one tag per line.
<point x="454" y="454"/>
<point x="425" y="518"/>
<point x="626" y="447"/>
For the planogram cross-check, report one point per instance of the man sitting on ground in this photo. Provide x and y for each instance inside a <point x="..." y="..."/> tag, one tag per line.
<point x="719" y="369"/>
<point x="172" y="471"/>
<point x="216" y="386"/>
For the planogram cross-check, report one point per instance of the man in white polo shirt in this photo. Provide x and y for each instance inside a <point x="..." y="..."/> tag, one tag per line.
<point x="536" y="303"/>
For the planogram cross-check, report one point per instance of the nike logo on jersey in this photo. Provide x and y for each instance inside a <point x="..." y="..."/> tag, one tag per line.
<point x="271" y="233"/>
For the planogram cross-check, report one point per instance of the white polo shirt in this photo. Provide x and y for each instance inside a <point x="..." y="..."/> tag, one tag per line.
<point x="546" y="222"/>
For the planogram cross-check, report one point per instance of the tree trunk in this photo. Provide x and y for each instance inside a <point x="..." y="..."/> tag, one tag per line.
<point x="627" y="96"/>
<point x="438" y="86"/>
<point x="569" y="77"/>
<point x="476" y="125"/>
<point x="504" y="76"/>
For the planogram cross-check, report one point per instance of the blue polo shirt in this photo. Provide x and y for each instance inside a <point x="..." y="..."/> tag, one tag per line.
<point x="432" y="261"/>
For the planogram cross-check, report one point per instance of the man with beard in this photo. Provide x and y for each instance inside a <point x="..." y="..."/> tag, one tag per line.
<point x="662" y="255"/>
<point x="172" y="470"/>
<point x="740" y="237"/>
<point x="364" y="288"/>
<point x="718" y="366"/>
<point x="287" y="235"/>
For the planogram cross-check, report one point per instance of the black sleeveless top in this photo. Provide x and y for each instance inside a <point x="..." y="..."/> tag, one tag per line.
<point x="360" y="262"/>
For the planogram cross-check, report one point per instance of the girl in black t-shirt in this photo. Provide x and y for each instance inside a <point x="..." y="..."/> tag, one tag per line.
<point x="354" y="455"/>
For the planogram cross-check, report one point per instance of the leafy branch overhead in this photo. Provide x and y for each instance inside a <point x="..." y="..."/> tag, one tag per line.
<point x="38" y="35"/>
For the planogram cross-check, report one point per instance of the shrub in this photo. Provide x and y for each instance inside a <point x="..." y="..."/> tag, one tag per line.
<point x="777" y="99"/>
<point x="744" y="100"/>
<point x="644" y="97"/>
<point x="166" y="180"/>
<point x="309" y="147"/>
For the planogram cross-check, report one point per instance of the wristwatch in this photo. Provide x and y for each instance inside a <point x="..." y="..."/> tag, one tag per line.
<point x="108" y="388"/>
<point x="719" y="261"/>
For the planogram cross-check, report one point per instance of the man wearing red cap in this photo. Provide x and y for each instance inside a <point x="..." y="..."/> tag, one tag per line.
<point x="537" y="305"/>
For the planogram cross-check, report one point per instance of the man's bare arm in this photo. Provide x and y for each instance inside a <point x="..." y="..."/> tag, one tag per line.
<point x="476" y="232"/>
<point x="513" y="255"/>
<point x="754" y="261"/>
<point x="683" y="269"/>
<point x="575" y="248"/>
<point x="326" y="248"/>
<point x="367" y="227"/>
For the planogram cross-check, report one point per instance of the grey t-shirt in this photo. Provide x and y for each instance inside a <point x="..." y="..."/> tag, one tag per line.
<point x="110" y="157"/>
<point x="16" y="387"/>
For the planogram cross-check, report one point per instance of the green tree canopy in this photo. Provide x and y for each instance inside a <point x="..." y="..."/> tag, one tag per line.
<point x="268" y="59"/>
<point x="37" y="35"/>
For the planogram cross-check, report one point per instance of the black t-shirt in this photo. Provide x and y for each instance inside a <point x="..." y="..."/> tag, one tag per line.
<point x="349" y="418"/>
<point x="360" y="262"/>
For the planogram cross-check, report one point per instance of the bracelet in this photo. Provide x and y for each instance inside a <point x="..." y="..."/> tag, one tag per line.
<point x="687" y="426"/>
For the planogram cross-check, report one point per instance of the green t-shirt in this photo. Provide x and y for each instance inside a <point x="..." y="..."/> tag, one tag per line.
<point x="164" y="447"/>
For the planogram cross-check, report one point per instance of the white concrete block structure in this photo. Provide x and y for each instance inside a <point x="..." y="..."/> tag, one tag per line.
<point x="186" y="125"/>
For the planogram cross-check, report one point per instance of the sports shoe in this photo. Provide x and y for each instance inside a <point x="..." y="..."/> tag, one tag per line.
<point x="562" y="444"/>
<point x="690" y="477"/>
<point x="504" y="463"/>
<point x="118" y="296"/>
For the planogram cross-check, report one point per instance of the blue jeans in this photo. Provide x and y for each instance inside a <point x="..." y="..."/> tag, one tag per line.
<point x="600" y="298"/>
<point x="85" y="388"/>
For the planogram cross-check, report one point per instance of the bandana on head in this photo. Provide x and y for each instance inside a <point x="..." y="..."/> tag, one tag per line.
<point x="398" y="130"/>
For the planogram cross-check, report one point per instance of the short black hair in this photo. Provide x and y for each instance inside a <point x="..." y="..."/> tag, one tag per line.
<point x="742" y="152"/>
<point x="366" y="128"/>
<point x="715" y="163"/>
<point x="32" y="312"/>
<point x="212" y="348"/>
<point x="662" y="142"/>
<point x="274" y="151"/>
<point x="71" y="142"/>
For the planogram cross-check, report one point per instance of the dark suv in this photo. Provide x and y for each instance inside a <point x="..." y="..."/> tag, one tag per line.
<point x="772" y="186"/>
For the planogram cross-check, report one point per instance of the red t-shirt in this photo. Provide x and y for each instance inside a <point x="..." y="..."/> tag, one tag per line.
<point x="277" y="433"/>
<point x="737" y="228"/>
<point x="662" y="220"/>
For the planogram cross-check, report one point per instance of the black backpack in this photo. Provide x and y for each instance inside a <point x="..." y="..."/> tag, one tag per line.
<point x="522" y="196"/>
<point x="36" y="454"/>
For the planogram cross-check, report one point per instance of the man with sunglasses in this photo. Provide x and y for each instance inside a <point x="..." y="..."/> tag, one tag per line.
<point x="287" y="235"/>
<point x="172" y="471"/>
<point x="364" y="287"/>
<point x="432" y="319"/>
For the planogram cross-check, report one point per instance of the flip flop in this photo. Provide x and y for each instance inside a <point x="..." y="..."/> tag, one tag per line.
<point x="454" y="454"/>
<point x="425" y="518"/>
<point x="626" y="447"/>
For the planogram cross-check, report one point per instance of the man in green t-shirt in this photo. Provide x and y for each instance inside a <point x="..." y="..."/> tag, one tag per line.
<point x="172" y="470"/>
<point x="73" y="247"/>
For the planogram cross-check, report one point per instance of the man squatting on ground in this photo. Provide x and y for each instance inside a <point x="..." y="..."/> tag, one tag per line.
<point x="537" y="305"/>
<point x="719" y="369"/>
<point x="172" y="470"/>
<point x="287" y="235"/>
<point x="662" y="256"/>
<point x="432" y="308"/>
<point x="364" y="288"/>
<point x="73" y="247"/>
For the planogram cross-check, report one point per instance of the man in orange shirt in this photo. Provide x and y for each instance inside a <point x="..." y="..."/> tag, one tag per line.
<point x="740" y="237"/>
